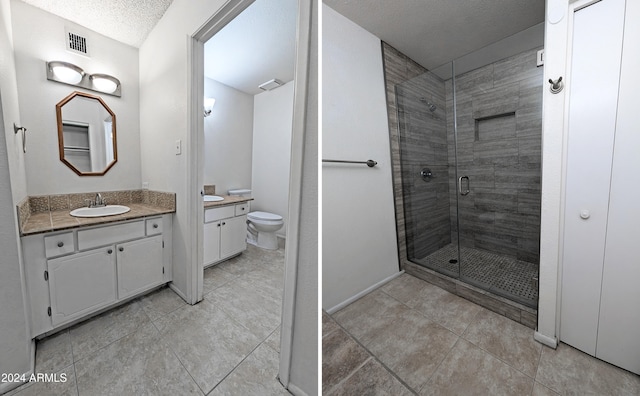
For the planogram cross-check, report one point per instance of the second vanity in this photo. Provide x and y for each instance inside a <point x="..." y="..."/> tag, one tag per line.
<point x="74" y="271"/>
<point x="225" y="229"/>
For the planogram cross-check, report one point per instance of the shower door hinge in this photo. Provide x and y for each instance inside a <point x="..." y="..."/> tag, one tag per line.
<point x="49" y="311"/>
<point x="46" y="275"/>
<point x="163" y="270"/>
<point x="540" y="58"/>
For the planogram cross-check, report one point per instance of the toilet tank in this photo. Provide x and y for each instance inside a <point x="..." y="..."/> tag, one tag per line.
<point x="241" y="192"/>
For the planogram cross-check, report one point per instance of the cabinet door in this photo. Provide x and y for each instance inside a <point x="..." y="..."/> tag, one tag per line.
<point x="81" y="283"/>
<point x="211" y="241"/>
<point x="139" y="265"/>
<point x="233" y="237"/>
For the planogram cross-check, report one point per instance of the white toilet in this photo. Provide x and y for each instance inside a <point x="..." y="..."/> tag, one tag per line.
<point x="261" y="226"/>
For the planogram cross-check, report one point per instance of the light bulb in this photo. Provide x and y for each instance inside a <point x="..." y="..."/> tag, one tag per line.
<point x="67" y="74"/>
<point x="104" y="83"/>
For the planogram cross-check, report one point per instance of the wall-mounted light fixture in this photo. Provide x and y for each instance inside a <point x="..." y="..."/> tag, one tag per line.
<point x="208" y="106"/>
<point x="68" y="73"/>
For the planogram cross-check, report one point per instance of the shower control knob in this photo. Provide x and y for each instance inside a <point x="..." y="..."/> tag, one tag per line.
<point x="426" y="174"/>
<point x="584" y="214"/>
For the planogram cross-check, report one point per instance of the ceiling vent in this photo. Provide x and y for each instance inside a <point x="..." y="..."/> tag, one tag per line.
<point x="269" y="85"/>
<point x="77" y="43"/>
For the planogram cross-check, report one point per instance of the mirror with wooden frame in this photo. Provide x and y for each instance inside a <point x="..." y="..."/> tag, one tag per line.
<point x="86" y="134"/>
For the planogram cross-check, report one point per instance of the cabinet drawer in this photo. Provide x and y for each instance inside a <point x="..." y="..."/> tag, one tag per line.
<point x="242" y="209"/>
<point x="154" y="226"/>
<point x="218" y="213"/>
<point x="57" y="245"/>
<point x="102" y="236"/>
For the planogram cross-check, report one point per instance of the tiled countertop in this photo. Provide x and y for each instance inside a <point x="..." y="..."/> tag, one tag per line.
<point x="49" y="221"/>
<point x="228" y="200"/>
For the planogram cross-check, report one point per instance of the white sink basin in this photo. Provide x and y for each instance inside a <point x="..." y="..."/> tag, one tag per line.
<point x="108" y="210"/>
<point x="212" y="198"/>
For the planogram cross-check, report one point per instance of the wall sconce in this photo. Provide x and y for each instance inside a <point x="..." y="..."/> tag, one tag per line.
<point x="208" y="106"/>
<point x="68" y="73"/>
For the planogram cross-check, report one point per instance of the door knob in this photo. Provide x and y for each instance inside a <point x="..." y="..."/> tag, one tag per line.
<point x="584" y="214"/>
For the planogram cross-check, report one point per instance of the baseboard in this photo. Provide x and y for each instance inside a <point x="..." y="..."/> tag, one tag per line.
<point x="282" y="241"/>
<point x="363" y="293"/>
<point x="178" y="292"/>
<point x="551" y="342"/>
<point x="296" y="391"/>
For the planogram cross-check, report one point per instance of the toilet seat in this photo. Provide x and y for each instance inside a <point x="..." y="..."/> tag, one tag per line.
<point x="264" y="217"/>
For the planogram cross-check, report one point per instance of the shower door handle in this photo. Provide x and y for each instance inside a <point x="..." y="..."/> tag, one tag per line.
<point x="465" y="192"/>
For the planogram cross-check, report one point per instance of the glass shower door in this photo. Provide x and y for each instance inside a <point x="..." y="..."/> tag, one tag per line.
<point x="498" y="118"/>
<point x="427" y="156"/>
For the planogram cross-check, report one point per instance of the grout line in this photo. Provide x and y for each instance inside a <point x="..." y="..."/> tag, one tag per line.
<point x="75" y="375"/>
<point x="114" y="341"/>
<point x="440" y="364"/>
<point x="473" y="320"/>
<point x="166" y="344"/>
<point x="351" y="374"/>
<point x="375" y="357"/>
<point x="269" y="336"/>
<point x="236" y="366"/>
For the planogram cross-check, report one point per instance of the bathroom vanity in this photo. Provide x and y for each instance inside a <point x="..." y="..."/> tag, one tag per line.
<point x="225" y="229"/>
<point x="72" y="272"/>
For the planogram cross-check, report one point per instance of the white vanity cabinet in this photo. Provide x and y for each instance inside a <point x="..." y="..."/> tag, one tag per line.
<point x="225" y="232"/>
<point x="74" y="273"/>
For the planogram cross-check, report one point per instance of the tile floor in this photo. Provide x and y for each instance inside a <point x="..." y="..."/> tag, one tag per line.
<point x="228" y="344"/>
<point x="410" y="337"/>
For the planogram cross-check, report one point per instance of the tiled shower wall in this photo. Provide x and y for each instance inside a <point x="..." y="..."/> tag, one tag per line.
<point x="423" y="145"/>
<point x="398" y="68"/>
<point x="499" y="117"/>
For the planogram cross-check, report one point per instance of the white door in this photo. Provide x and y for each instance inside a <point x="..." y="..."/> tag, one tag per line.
<point x="593" y="85"/>
<point x="619" y="325"/>
<point x="139" y="265"/>
<point x="81" y="283"/>
<point x="599" y="313"/>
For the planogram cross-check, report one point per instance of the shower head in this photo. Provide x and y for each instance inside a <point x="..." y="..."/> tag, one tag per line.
<point x="430" y="105"/>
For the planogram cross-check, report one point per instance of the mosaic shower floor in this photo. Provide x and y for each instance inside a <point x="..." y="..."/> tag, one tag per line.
<point x="502" y="275"/>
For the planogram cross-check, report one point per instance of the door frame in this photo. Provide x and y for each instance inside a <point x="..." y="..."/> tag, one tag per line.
<point x="557" y="54"/>
<point x="195" y="160"/>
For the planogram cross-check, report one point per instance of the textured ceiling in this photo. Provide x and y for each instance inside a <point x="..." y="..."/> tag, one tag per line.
<point x="255" y="47"/>
<point x="434" y="32"/>
<point x="128" y="21"/>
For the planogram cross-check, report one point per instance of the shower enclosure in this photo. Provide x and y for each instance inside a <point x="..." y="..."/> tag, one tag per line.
<point x="470" y="163"/>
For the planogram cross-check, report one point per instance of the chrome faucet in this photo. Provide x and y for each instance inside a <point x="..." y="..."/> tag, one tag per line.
<point x="99" y="201"/>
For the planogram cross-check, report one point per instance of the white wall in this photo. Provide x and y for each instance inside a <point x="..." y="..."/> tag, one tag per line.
<point x="39" y="37"/>
<point x="359" y="247"/>
<point x="15" y="346"/>
<point x="272" y="122"/>
<point x="164" y="118"/>
<point x="10" y="107"/>
<point x="228" y="136"/>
